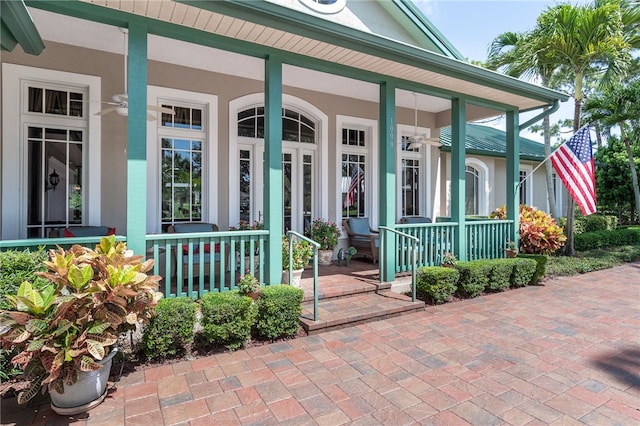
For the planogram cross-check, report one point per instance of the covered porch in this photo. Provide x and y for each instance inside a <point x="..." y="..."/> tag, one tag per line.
<point x="223" y="59"/>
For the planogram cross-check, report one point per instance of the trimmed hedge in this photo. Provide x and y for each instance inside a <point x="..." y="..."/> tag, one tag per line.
<point x="541" y="266"/>
<point x="278" y="312"/>
<point x="604" y="239"/>
<point x="500" y="275"/>
<point x="523" y="271"/>
<point x="474" y="277"/>
<point x="437" y="283"/>
<point x="591" y="223"/>
<point x="227" y="318"/>
<point x="18" y="266"/>
<point x="171" y="331"/>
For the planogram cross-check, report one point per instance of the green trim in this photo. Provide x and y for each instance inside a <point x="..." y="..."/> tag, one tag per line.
<point x="273" y="168"/>
<point x="419" y="20"/>
<point x="458" y="175"/>
<point x="137" y="139"/>
<point x="513" y="174"/>
<point x="285" y="19"/>
<point x="7" y="40"/>
<point x="17" y="21"/>
<point x="387" y="167"/>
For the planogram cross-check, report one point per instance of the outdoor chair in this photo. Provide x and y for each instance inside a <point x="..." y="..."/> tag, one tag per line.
<point x="87" y="231"/>
<point x="362" y="237"/>
<point x="408" y="220"/>
<point x="182" y="252"/>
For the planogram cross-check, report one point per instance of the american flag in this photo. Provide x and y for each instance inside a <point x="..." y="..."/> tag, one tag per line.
<point x="357" y="176"/>
<point x="574" y="164"/>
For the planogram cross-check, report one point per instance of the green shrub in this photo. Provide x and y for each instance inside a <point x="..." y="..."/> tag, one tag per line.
<point x="170" y="332"/>
<point x="500" y="275"/>
<point x="474" y="277"/>
<point x="278" y="312"/>
<point x="18" y="266"/>
<point x="227" y="318"/>
<point x="15" y="267"/>
<point x="541" y="265"/>
<point x="598" y="222"/>
<point x="523" y="271"/>
<point x="437" y="283"/>
<point x="602" y="239"/>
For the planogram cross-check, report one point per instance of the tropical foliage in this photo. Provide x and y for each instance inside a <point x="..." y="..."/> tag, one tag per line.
<point x="539" y="232"/>
<point x="325" y="233"/>
<point x="72" y="322"/>
<point x="301" y="253"/>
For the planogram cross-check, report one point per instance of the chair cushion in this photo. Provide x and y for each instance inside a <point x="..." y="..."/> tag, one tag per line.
<point x="359" y="225"/>
<point x="88" y="231"/>
<point x="416" y="219"/>
<point x="196" y="259"/>
<point x="196" y="248"/>
<point x="184" y="228"/>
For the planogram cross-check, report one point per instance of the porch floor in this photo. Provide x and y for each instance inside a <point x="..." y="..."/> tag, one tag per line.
<point x="350" y="295"/>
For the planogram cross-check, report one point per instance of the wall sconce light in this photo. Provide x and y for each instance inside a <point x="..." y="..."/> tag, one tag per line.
<point x="54" y="180"/>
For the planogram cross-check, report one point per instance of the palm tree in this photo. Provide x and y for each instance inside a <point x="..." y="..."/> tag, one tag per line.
<point x="619" y="106"/>
<point x="516" y="54"/>
<point x="585" y="40"/>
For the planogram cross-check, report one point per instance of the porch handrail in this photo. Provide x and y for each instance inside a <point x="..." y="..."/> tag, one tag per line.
<point x="383" y="247"/>
<point x="487" y="239"/>
<point x="48" y="243"/>
<point x="316" y="246"/>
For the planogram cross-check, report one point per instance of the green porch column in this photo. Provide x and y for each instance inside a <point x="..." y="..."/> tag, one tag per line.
<point x="458" y="138"/>
<point x="273" y="168"/>
<point x="513" y="174"/>
<point x="137" y="139"/>
<point x="387" y="167"/>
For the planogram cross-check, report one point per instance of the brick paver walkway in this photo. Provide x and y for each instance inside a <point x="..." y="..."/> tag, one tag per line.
<point x="567" y="352"/>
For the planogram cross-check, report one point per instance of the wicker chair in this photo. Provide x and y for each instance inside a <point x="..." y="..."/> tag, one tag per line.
<point x="183" y="252"/>
<point x="362" y="237"/>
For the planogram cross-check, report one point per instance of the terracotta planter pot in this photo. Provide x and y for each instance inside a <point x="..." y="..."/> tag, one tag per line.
<point x="512" y="253"/>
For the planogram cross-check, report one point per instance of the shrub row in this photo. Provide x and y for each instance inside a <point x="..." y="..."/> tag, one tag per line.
<point x="468" y="279"/>
<point x="228" y="319"/>
<point x="602" y="239"/>
<point x="591" y="223"/>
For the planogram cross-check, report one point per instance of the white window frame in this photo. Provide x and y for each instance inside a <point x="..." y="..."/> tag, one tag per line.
<point x="424" y="155"/>
<point x="528" y="183"/>
<point x="371" y="173"/>
<point x="321" y="155"/>
<point x="157" y="95"/>
<point x="14" y="156"/>
<point x="483" y="183"/>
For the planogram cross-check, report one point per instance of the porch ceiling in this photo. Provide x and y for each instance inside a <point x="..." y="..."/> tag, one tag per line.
<point x="405" y="62"/>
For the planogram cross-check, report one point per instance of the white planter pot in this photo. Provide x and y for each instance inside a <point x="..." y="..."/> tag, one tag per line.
<point x="297" y="276"/>
<point x="324" y="257"/>
<point x="86" y="393"/>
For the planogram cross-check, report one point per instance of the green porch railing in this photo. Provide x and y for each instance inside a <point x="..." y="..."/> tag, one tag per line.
<point x="409" y="253"/>
<point x="487" y="239"/>
<point x="290" y="236"/>
<point x="52" y="243"/>
<point x="193" y="264"/>
<point x="434" y="240"/>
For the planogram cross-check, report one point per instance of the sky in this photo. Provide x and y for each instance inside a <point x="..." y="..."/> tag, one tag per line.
<point x="471" y="26"/>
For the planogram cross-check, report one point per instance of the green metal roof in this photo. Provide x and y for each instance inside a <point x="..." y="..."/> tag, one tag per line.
<point x="17" y="27"/>
<point x="484" y="140"/>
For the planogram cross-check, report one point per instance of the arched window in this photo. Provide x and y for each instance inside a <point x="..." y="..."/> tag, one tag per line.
<point x="471" y="191"/>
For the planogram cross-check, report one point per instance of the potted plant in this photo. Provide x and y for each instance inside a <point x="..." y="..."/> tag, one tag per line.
<point x="512" y="251"/>
<point x="301" y="253"/>
<point x="249" y="286"/>
<point x="449" y="260"/>
<point x="66" y="331"/>
<point x="325" y="233"/>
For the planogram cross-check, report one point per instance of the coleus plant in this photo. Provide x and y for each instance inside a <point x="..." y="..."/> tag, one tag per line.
<point x="72" y="323"/>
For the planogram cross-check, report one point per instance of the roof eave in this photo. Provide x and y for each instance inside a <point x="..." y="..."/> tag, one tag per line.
<point x="18" y="28"/>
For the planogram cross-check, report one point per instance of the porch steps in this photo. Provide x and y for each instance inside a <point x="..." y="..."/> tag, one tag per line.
<point x="341" y="307"/>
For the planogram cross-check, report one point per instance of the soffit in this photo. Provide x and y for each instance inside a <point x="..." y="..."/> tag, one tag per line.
<point x="239" y="29"/>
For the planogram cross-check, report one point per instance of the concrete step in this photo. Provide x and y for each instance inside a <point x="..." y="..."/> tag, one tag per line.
<point x="356" y="308"/>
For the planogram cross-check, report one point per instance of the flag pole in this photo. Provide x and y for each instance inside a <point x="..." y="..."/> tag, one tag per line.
<point x="545" y="160"/>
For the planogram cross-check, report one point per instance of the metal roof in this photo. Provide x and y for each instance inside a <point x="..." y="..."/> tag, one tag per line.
<point x="485" y="140"/>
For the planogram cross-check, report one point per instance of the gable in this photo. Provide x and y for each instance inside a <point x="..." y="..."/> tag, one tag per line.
<point x="397" y="20"/>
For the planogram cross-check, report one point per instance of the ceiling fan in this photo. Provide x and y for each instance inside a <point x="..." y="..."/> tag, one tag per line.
<point x="417" y="139"/>
<point x="120" y="102"/>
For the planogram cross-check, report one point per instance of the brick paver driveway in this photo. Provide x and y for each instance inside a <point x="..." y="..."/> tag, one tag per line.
<point x="567" y="352"/>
